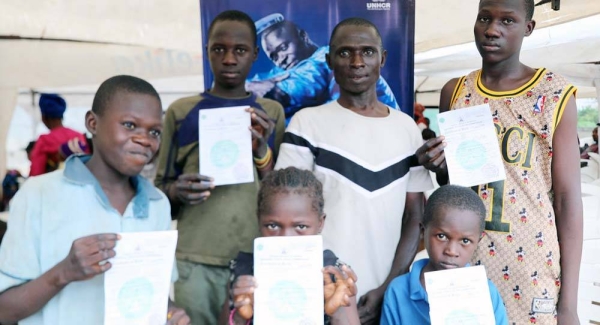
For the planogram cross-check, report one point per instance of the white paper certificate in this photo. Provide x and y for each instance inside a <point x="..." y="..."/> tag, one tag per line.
<point x="459" y="297"/>
<point x="136" y="288"/>
<point x="226" y="145"/>
<point x="472" y="152"/>
<point x="290" y="281"/>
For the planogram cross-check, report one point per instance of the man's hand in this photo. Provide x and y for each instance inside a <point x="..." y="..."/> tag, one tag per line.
<point x="431" y="155"/>
<point x="87" y="257"/>
<point x="337" y="294"/>
<point x="262" y="87"/>
<point x="243" y="296"/>
<point x="191" y="188"/>
<point x="369" y="306"/>
<point x="177" y="316"/>
<point x="261" y="127"/>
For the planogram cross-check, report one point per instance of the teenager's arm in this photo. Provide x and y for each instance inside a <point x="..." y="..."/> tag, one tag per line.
<point x="165" y="170"/>
<point x="370" y="303"/>
<point x="568" y="210"/>
<point x="25" y="300"/>
<point x="431" y="154"/>
<point x="82" y="263"/>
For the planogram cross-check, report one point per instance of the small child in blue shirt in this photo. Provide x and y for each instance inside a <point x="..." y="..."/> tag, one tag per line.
<point x="452" y="226"/>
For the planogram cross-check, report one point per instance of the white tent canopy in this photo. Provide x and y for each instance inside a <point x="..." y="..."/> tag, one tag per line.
<point x="132" y="30"/>
<point x="67" y="43"/>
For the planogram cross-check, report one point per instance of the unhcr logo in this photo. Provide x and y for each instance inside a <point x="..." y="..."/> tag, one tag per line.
<point x="378" y="5"/>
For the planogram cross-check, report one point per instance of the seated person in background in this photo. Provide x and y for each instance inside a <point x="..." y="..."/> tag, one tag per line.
<point x="290" y="203"/>
<point x="44" y="156"/>
<point x="594" y="147"/>
<point x="63" y="226"/>
<point x="452" y="227"/>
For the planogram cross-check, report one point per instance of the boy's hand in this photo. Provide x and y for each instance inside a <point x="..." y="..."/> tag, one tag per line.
<point x="431" y="155"/>
<point x="369" y="306"/>
<point x="191" y="188"/>
<point x="87" y="257"/>
<point x="337" y="294"/>
<point x="243" y="296"/>
<point x="177" y="316"/>
<point x="261" y="127"/>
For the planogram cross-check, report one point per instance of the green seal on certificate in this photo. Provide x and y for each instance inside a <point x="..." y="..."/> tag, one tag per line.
<point x="471" y="155"/>
<point x="135" y="298"/>
<point x="288" y="300"/>
<point x="462" y="317"/>
<point x="224" y="154"/>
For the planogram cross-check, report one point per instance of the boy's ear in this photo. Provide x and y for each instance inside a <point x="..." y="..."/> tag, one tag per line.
<point x="529" y="27"/>
<point x="255" y="53"/>
<point x="322" y="222"/>
<point x="421" y="231"/>
<point x="91" y="122"/>
<point x="328" y="60"/>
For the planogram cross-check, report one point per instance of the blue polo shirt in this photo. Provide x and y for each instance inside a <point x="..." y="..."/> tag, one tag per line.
<point x="51" y="211"/>
<point x="406" y="300"/>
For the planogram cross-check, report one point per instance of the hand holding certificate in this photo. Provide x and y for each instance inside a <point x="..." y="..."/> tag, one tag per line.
<point x="290" y="280"/>
<point x="459" y="296"/>
<point x="136" y="288"/>
<point x="472" y="153"/>
<point x="225" y="142"/>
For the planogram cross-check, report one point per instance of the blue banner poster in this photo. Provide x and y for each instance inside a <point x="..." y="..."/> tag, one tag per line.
<point x="293" y="39"/>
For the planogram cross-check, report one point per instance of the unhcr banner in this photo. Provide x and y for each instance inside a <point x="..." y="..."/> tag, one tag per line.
<point x="293" y="37"/>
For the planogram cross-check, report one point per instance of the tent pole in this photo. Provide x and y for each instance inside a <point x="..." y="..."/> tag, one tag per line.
<point x="8" y="102"/>
<point x="596" y="84"/>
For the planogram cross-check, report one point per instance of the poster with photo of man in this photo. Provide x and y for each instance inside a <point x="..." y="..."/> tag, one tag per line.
<point x="293" y="38"/>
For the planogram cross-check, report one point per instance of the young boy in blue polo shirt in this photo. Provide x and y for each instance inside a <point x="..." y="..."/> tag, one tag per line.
<point x="452" y="226"/>
<point x="63" y="226"/>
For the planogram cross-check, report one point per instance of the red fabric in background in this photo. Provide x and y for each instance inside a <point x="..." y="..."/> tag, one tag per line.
<point x="45" y="151"/>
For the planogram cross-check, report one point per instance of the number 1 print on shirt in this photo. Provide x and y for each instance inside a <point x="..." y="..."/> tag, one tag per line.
<point x="494" y="221"/>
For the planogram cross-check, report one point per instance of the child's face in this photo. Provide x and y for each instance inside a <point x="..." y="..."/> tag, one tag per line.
<point x="127" y="132"/>
<point x="500" y="28"/>
<point x="231" y="53"/>
<point x="451" y="238"/>
<point x="291" y="215"/>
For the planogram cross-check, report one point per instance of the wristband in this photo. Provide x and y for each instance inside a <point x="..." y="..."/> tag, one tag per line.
<point x="264" y="161"/>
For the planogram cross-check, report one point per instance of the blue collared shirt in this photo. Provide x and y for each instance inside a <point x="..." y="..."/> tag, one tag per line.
<point x="406" y="300"/>
<point x="51" y="211"/>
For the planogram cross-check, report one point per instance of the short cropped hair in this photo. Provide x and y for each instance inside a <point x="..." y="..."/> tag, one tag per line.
<point x="355" y="21"/>
<point x="529" y="9"/>
<point x="234" y="15"/>
<point x="109" y="88"/>
<point x="452" y="196"/>
<point x="529" y="6"/>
